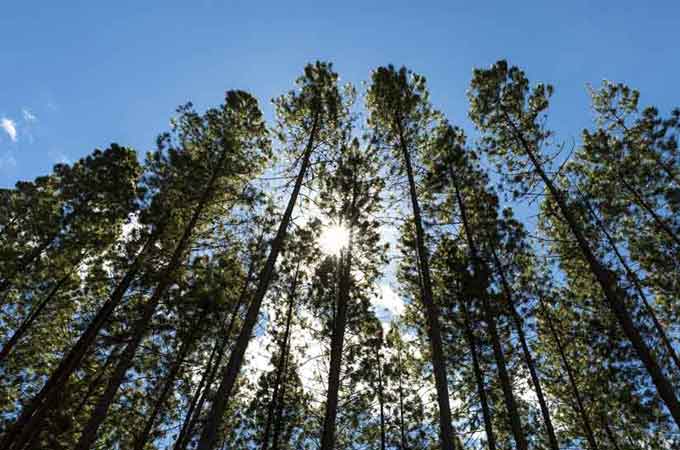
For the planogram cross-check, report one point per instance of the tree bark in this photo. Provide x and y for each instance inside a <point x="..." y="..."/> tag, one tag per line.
<point x="207" y="370"/>
<point x="219" y="349"/>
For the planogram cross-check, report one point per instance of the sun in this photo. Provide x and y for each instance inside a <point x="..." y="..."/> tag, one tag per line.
<point x="333" y="239"/>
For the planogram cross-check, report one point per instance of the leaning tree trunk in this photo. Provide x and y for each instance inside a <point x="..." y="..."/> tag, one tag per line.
<point x="613" y="293"/>
<point x="660" y="223"/>
<point x="281" y="366"/>
<point x="446" y="433"/>
<point x="481" y="290"/>
<point x="230" y="373"/>
<point x="580" y="409"/>
<point x="479" y="378"/>
<point x="205" y="375"/>
<point x="89" y="433"/>
<point x="168" y="381"/>
<point x="519" y="328"/>
<point x="33" y="415"/>
<point x="32" y="316"/>
<point x="192" y="417"/>
<point x="636" y="283"/>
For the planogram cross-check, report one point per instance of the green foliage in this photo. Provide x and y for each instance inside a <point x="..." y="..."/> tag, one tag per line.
<point x="146" y="275"/>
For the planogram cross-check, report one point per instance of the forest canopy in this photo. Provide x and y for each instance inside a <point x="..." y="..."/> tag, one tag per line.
<point x="224" y="290"/>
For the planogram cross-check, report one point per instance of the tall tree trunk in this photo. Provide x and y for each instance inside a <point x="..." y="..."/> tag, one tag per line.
<point x="446" y="432"/>
<point x="32" y="316"/>
<point x="636" y="283"/>
<point x="644" y="205"/>
<point x="205" y="375"/>
<point x="191" y="420"/>
<point x="281" y="366"/>
<point x="219" y="349"/>
<point x="33" y="414"/>
<point x="580" y="409"/>
<point x="480" y="280"/>
<point x="479" y="377"/>
<point x="610" y="434"/>
<point x="95" y="383"/>
<point x="403" y="444"/>
<point x="168" y="382"/>
<point x="613" y="293"/>
<point x="381" y="400"/>
<point x="278" y="421"/>
<point x="337" y="342"/>
<point x="89" y="433"/>
<point x="230" y="373"/>
<point x="519" y="328"/>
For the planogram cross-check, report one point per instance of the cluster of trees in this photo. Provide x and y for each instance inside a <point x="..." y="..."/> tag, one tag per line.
<point x="130" y="292"/>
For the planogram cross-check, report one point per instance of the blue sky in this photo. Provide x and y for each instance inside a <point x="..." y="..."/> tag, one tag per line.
<point x="78" y="75"/>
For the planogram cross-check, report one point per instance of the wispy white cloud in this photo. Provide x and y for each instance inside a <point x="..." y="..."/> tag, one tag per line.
<point x="28" y="115"/>
<point x="10" y="128"/>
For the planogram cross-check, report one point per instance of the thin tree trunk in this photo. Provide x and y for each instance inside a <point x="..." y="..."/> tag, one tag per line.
<point x="612" y="291"/>
<point x="197" y="394"/>
<point x="281" y="366"/>
<point x="479" y="378"/>
<point x="89" y="433"/>
<point x="634" y="279"/>
<point x="219" y="349"/>
<point x="519" y="328"/>
<point x="642" y="203"/>
<point x="610" y="434"/>
<point x="168" y="381"/>
<point x="480" y="281"/>
<point x="381" y="400"/>
<point x="337" y="342"/>
<point x="95" y="383"/>
<point x="402" y="426"/>
<point x="32" y="316"/>
<point x="190" y="420"/>
<point x="230" y="373"/>
<point x="446" y="432"/>
<point x="278" y="422"/>
<point x="33" y="414"/>
<point x="581" y="411"/>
